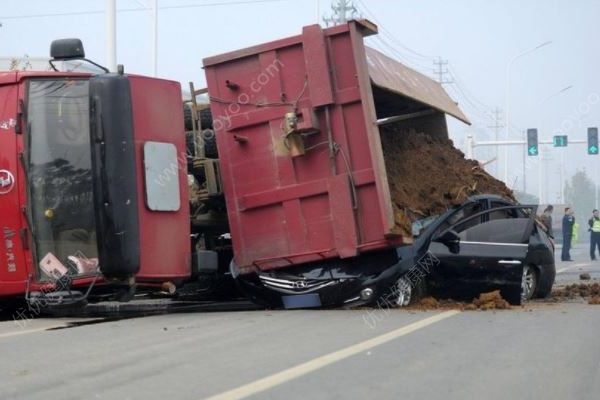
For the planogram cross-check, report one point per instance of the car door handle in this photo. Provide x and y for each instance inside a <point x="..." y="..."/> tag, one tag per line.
<point x="510" y="262"/>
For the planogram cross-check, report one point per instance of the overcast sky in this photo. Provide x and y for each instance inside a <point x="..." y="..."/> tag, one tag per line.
<point x="479" y="38"/>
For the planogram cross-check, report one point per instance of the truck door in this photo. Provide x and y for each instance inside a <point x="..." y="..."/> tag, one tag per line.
<point x="58" y="167"/>
<point x="489" y="252"/>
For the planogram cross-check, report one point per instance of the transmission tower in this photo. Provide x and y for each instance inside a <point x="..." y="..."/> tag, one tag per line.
<point x="441" y="71"/>
<point x="497" y="127"/>
<point x="342" y="12"/>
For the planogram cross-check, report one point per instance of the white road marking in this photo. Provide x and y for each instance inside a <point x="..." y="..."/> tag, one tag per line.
<point x="292" y="373"/>
<point x="572" y="266"/>
<point x="28" y="331"/>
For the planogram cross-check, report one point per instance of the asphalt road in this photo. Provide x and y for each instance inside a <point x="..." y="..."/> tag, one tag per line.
<point x="541" y="350"/>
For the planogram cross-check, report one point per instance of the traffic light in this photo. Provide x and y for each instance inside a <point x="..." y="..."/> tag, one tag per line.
<point x="593" y="141"/>
<point x="532" y="142"/>
<point x="561" y="141"/>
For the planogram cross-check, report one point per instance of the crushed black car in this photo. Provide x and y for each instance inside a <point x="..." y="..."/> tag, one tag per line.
<point x="487" y="243"/>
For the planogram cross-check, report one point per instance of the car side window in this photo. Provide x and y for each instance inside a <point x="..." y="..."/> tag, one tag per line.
<point x="464" y="214"/>
<point x="507" y="227"/>
<point x="501" y="214"/>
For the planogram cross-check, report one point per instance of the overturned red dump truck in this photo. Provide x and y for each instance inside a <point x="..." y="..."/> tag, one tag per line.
<point x="302" y="165"/>
<point x="108" y="188"/>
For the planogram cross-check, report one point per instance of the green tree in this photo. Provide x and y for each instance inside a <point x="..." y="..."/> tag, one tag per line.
<point x="580" y="193"/>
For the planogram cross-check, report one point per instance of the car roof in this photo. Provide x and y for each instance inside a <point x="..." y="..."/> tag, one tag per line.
<point x="479" y="197"/>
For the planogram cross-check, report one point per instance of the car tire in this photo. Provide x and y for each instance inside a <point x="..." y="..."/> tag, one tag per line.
<point x="545" y="282"/>
<point x="407" y="292"/>
<point x="529" y="283"/>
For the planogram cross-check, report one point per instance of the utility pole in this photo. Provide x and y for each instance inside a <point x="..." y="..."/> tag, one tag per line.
<point x="111" y="35"/>
<point x="497" y="126"/>
<point x="441" y="71"/>
<point x="343" y="11"/>
<point x="155" y="38"/>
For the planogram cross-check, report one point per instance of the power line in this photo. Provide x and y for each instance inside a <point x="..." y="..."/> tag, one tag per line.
<point x="75" y="13"/>
<point x="390" y="35"/>
<point x="396" y="53"/>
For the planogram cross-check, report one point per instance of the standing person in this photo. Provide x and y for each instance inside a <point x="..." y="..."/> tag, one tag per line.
<point x="594" y="224"/>
<point x="567" y="230"/>
<point x="546" y="219"/>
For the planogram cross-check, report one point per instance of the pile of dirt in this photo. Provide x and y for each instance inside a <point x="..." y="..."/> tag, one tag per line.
<point x="485" y="301"/>
<point x="428" y="174"/>
<point x="491" y="301"/>
<point x="589" y="290"/>
<point x="594" y="300"/>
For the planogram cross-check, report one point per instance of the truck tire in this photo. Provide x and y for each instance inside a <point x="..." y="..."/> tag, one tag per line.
<point x="210" y="143"/>
<point x="206" y="120"/>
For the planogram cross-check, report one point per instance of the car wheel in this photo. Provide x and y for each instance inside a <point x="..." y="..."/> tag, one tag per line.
<point x="528" y="283"/>
<point x="403" y="292"/>
<point x="407" y="292"/>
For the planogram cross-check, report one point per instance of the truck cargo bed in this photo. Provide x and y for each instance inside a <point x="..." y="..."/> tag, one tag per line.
<point x="300" y="149"/>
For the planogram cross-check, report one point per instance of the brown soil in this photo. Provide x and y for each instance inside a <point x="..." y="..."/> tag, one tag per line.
<point x="485" y="301"/>
<point x="491" y="301"/>
<point x="575" y="290"/>
<point x="428" y="174"/>
<point x="594" y="300"/>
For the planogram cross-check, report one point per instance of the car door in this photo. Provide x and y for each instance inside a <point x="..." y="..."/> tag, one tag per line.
<point x="488" y="252"/>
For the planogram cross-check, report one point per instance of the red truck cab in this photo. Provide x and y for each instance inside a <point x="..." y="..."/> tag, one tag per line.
<point x="92" y="183"/>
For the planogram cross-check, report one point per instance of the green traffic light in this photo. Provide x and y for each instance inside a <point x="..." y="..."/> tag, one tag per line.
<point x="533" y="151"/>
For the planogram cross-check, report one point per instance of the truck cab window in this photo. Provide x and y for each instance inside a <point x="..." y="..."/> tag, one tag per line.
<point x="59" y="171"/>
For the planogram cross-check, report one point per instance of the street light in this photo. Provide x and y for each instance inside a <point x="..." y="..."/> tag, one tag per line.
<point x="507" y="122"/>
<point x="541" y="156"/>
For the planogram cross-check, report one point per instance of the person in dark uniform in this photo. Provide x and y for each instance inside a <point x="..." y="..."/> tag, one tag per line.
<point x="594" y="224"/>
<point x="567" y="230"/>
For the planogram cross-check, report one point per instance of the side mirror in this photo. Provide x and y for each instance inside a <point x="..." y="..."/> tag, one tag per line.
<point x="66" y="49"/>
<point x="451" y="240"/>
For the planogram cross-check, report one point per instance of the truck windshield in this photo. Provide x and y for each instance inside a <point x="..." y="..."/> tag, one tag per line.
<point x="60" y="176"/>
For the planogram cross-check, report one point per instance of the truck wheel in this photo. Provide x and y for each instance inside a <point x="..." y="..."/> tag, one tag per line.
<point x="206" y="119"/>
<point x="210" y="143"/>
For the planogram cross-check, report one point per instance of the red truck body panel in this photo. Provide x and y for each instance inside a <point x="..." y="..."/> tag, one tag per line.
<point x="334" y="201"/>
<point x="13" y="255"/>
<point x="164" y="236"/>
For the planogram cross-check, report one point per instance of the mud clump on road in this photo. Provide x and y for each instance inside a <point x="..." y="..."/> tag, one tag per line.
<point x="491" y="301"/>
<point x="594" y="300"/>
<point x="584" y="290"/>
<point x="428" y="174"/>
<point x="485" y="302"/>
<point x="585" y="276"/>
<point x="429" y="303"/>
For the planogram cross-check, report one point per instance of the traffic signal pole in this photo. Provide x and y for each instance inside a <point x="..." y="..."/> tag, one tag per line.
<point x="472" y="144"/>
